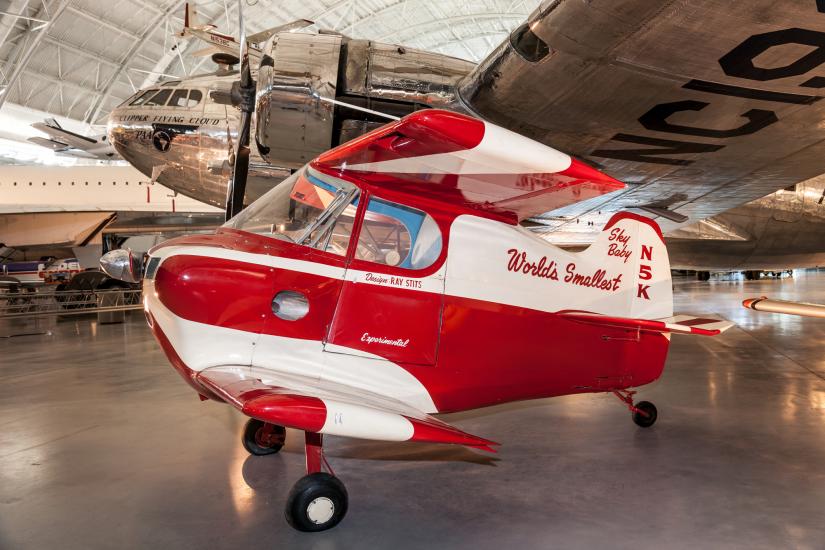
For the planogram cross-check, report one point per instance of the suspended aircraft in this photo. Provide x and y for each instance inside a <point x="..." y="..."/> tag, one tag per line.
<point x="67" y="143"/>
<point x="701" y="123"/>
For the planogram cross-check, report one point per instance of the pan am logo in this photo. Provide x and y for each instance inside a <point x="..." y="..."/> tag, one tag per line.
<point x="161" y="140"/>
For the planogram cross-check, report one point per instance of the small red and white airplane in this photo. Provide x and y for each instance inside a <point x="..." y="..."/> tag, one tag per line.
<point x="388" y="281"/>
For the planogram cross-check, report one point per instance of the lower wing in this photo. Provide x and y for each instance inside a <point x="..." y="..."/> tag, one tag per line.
<point x="328" y="408"/>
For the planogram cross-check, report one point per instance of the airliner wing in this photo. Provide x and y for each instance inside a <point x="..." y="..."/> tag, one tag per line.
<point x="329" y="408"/>
<point x="699" y="106"/>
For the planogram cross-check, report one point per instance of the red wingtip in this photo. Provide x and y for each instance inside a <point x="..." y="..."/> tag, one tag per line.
<point x="433" y="431"/>
<point x="580" y="170"/>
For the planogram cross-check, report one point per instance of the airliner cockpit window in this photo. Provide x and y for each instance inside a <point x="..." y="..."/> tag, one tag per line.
<point x="307" y="208"/>
<point x="159" y="98"/>
<point x="195" y="97"/>
<point x="141" y="99"/>
<point x="179" y="99"/>
<point x="397" y="235"/>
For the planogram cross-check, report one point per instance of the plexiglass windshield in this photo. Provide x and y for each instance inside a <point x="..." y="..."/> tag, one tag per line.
<point x="307" y="208"/>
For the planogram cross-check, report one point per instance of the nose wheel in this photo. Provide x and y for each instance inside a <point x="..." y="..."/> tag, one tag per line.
<point x="644" y="413"/>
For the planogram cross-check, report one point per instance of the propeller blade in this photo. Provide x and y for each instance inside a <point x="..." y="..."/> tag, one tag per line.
<point x="243" y="96"/>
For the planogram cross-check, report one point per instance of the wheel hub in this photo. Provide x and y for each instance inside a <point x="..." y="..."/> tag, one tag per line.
<point x="320" y="510"/>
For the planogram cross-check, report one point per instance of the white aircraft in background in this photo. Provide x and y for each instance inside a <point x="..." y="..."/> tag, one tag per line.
<point x="71" y="144"/>
<point x="56" y="211"/>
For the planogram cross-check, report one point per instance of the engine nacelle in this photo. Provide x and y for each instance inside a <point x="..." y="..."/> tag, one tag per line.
<point x="294" y="126"/>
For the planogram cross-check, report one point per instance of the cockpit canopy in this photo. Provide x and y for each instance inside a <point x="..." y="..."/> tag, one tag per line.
<point x="316" y="210"/>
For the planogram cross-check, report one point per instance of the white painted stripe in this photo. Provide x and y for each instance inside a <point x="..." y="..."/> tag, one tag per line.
<point x="350" y="420"/>
<point x="500" y="152"/>
<point x="291" y="264"/>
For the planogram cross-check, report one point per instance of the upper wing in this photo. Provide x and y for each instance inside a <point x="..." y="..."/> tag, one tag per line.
<point x="699" y="105"/>
<point x="328" y="408"/>
<point x="452" y="157"/>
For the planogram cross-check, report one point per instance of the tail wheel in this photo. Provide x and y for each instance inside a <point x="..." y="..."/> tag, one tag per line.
<point x="262" y="438"/>
<point x="317" y="502"/>
<point x="645" y="415"/>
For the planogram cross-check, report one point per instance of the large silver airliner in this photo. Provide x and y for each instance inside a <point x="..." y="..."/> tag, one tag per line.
<point x="715" y="127"/>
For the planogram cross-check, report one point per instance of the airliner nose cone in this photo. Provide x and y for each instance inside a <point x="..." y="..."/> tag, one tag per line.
<point x="121" y="265"/>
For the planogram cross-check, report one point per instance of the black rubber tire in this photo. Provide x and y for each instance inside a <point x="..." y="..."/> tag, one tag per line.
<point x="645" y="421"/>
<point x="703" y="275"/>
<point x="253" y="435"/>
<point x="307" y="490"/>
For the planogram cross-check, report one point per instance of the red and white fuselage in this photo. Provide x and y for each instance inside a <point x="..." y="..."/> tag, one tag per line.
<point x="433" y="300"/>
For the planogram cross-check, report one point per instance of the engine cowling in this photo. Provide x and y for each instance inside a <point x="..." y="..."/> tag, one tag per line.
<point x="294" y="126"/>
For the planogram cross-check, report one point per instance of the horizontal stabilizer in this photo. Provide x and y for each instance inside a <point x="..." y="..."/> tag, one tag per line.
<point x="316" y="406"/>
<point x="681" y="324"/>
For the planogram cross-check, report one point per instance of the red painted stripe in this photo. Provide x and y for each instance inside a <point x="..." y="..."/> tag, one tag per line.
<point x="293" y="411"/>
<point x="619" y="216"/>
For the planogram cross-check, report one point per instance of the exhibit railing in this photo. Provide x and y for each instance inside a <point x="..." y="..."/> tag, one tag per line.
<point x="28" y="304"/>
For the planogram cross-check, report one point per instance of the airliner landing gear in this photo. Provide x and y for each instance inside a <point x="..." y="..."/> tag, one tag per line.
<point x="318" y="501"/>
<point x="262" y="438"/>
<point x="703" y="275"/>
<point x="644" y="412"/>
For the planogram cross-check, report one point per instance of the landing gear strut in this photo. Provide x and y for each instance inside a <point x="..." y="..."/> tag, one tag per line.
<point x="318" y="501"/>
<point x="644" y="412"/>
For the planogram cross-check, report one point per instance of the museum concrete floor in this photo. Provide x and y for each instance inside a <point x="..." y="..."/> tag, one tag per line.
<point x="103" y="446"/>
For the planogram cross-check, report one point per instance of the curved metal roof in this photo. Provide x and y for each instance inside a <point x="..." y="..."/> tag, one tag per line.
<point x="79" y="58"/>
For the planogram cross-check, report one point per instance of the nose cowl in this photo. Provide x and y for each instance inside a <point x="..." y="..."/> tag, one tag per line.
<point x="122" y="265"/>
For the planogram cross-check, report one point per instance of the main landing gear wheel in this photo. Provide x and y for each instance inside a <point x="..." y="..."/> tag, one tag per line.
<point x="262" y="438"/>
<point x="645" y="415"/>
<point x="316" y="503"/>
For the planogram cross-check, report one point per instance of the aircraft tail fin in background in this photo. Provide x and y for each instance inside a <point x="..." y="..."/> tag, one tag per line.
<point x="191" y="20"/>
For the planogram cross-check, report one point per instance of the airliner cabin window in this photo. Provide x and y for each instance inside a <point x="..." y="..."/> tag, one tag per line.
<point x="397" y="235"/>
<point x="159" y="98"/>
<point x="307" y="208"/>
<point x="141" y="99"/>
<point x="179" y="99"/>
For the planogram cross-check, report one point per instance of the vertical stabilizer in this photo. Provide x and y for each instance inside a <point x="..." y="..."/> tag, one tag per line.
<point x="633" y="246"/>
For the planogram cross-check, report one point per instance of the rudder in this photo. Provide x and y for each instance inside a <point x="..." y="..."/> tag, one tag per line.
<point x="633" y="246"/>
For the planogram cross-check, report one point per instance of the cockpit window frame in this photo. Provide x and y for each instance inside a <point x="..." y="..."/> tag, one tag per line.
<point x="365" y="201"/>
<point x="145" y="95"/>
<point x="197" y="101"/>
<point x="182" y="94"/>
<point x="168" y="94"/>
